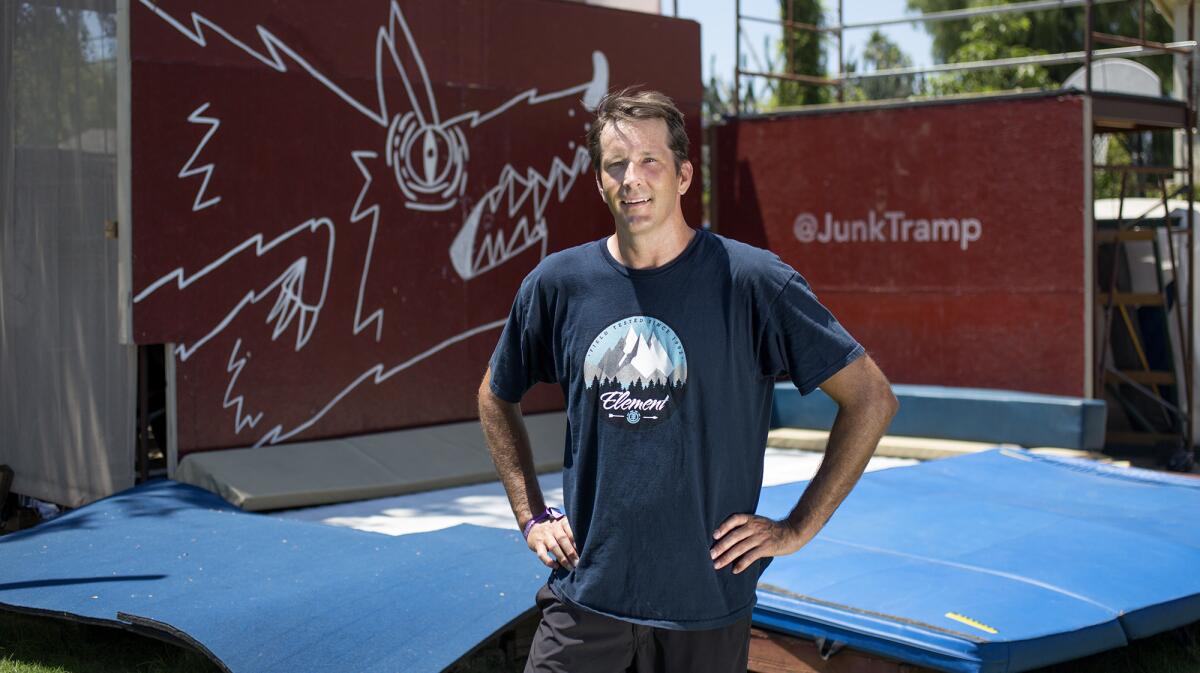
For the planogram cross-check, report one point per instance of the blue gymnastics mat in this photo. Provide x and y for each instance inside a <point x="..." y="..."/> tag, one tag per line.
<point x="1000" y="561"/>
<point x="972" y="414"/>
<point x="258" y="593"/>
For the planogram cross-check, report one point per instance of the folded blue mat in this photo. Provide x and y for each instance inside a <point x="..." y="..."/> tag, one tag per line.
<point x="258" y="593"/>
<point x="972" y="414"/>
<point x="996" y="561"/>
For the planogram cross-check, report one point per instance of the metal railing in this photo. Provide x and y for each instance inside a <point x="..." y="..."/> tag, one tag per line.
<point x="1125" y="46"/>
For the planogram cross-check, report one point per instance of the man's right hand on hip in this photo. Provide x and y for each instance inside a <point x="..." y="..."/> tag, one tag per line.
<point x="554" y="543"/>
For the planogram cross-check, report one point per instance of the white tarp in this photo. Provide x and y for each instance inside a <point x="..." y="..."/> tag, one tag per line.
<point x="66" y="385"/>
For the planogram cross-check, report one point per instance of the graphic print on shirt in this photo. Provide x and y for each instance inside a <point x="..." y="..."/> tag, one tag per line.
<point x="637" y="370"/>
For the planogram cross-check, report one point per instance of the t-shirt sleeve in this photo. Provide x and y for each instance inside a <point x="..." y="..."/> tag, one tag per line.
<point x="522" y="357"/>
<point x="803" y="340"/>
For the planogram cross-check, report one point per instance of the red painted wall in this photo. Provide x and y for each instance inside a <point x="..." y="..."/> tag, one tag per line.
<point x="995" y="299"/>
<point x="334" y="203"/>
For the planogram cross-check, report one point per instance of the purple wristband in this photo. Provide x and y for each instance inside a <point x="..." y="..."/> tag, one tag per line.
<point x="550" y="513"/>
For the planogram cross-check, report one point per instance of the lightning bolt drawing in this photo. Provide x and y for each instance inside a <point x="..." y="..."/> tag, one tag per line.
<point x="357" y="214"/>
<point x="235" y="367"/>
<point x="206" y="170"/>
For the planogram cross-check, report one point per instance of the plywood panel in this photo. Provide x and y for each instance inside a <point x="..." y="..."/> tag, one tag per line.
<point x="948" y="238"/>
<point x="334" y="203"/>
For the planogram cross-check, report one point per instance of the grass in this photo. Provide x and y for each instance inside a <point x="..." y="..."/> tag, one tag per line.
<point x="32" y="644"/>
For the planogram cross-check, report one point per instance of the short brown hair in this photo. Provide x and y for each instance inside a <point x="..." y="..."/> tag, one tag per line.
<point x="628" y="104"/>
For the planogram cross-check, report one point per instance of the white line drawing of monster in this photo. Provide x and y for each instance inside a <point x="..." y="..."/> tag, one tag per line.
<point x="424" y="153"/>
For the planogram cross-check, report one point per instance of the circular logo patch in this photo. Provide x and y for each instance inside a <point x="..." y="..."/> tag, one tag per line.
<point x="637" y="370"/>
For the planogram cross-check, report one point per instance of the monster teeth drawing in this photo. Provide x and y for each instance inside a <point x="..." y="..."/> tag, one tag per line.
<point x="428" y="157"/>
<point x="472" y="255"/>
<point x="522" y="198"/>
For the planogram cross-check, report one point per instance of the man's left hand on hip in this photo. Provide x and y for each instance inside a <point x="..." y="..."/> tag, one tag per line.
<point x="742" y="539"/>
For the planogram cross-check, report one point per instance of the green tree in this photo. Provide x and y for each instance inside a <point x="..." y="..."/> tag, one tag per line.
<point x="716" y="104"/>
<point x="1023" y="34"/>
<point x="988" y="38"/>
<point x="718" y="96"/>
<point x="761" y="92"/>
<point x="64" y="79"/>
<point x="803" y="54"/>
<point x="880" y="53"/>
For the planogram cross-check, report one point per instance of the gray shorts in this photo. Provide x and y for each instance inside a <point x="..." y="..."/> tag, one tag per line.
<point x="572" y="640"/>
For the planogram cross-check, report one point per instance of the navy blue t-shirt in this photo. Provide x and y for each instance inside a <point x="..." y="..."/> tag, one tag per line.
<point x="668" y="375"/>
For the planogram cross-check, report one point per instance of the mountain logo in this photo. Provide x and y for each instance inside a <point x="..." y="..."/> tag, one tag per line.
<point x="637" y="369"/>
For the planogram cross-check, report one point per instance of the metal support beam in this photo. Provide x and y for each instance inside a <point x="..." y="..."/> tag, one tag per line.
<point x="737" y="58"/>
<point x="1189" y="353"/>
<point x="1085" y="57"/>
<point x="841" y="88"/>
<point x="1118" y="112"/>
<point x="788" y="23"/>
<point x="790" y="77"/>
<point x="1108" y="38"/>
<point x="950" y="15"/>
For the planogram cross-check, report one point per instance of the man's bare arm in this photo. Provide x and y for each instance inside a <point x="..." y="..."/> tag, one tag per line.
<point x="508" y="443"/>
<point x="866" y="406"/>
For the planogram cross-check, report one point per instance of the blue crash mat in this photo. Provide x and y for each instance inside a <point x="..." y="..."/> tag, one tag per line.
<point x="257" y="593"/>
<point x="996" y="561"/>
<point x="972" y="414"/>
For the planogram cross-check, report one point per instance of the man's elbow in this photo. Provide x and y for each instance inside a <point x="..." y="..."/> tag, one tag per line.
<point x="881" y="396"/>
<point x="485" y="398"/>
<point x="876" y="397"/>
<point x="888" y="401"/>
<point x="488" y="402"/>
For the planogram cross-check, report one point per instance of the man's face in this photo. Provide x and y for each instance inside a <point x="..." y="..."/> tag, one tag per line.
<point x="637" y="177"/>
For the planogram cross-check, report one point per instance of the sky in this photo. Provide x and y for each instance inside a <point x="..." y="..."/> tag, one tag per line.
<point x="716" y="19"/>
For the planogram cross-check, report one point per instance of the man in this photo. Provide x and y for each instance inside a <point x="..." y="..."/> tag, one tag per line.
<point x="666" y="341"/>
